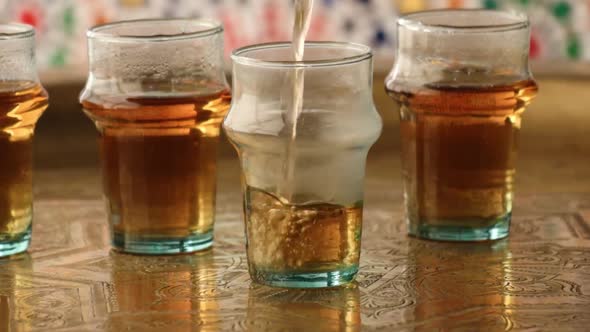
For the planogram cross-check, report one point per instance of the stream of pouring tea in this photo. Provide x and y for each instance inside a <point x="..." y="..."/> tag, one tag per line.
<point x="302" y="11"/>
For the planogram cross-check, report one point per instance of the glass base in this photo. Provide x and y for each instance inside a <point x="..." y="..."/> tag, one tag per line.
<point x="306" y="280"/>
<point x="437" y="230"/>
<point x="16" y="244"/>
<point x="149" y="245"/>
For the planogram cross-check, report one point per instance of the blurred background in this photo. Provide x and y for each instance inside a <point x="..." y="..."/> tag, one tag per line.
<point x="554" y="139"/>
<point x="560" y="28"/>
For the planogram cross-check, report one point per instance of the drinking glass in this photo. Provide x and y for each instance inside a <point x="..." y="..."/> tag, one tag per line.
<point x="22" y="101"/>
<point x="157" y="93"/>
<point x="303" y="196"/>
<point x="462" y="81"/>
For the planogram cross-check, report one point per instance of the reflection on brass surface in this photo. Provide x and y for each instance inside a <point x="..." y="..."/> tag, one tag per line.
<point x="538" y="279"/>
<point x="332" y="309"/>
<point x="180" y="287"/>
<point x="456" y="281"/>
<point x="14" y="297"/>
<point x="4" y="313"/>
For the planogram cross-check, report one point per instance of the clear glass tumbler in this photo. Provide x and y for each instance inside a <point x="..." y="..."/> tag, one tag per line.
<point x="303" y="197"/>
<point x="22" y="101"/>
<point x="157" y="93"/>
<point x="462" y="80"/>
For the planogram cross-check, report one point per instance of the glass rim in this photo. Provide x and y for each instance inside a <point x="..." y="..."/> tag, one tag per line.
<point x="240" y="55"/>
<point x="20" y="31"/>
<point x="101" y="31"/>
<point x="412" y="21"/>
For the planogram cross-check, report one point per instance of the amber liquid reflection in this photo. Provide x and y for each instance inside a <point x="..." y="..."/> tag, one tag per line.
<point x="16" y="315"/>
<point x="329" y="309"/>
<point x="173" y="292"/>
<point x="460" y="286"/>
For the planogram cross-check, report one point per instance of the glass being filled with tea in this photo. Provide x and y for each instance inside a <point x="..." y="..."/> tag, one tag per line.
<point x="22" y="101"/>
<point x="302" y="129"/>
<point x="157" y="94"/>
<point x="462" y="81"/>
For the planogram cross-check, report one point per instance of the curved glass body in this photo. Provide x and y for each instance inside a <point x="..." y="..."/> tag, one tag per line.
<point x="462" y="80"/>
<point x="22" y="101"/>
<point x="303" y="197"/>
<point x="157" y="94"/>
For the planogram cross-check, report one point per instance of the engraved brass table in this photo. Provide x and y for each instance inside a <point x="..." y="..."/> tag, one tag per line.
<point x="538" y="279"/>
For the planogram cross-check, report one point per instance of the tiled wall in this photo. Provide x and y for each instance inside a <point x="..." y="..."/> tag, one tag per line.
<point x="561" y="28"/>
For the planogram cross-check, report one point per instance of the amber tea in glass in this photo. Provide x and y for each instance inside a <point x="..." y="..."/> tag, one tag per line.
<point x="315" y="236"/>
<point x="462" y="90"/>
<point x="157" y="94"/>
<point x="22" y="101"/>
<point x="303" y="193"/>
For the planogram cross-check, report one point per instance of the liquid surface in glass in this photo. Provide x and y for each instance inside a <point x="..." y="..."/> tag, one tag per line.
<point x="313" y="237"/>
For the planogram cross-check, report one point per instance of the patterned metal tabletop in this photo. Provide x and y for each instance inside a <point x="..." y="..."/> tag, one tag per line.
<point x="538" y="279"/>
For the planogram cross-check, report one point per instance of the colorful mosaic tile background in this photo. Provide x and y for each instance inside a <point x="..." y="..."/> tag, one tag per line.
<point x="561" y="28"/>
